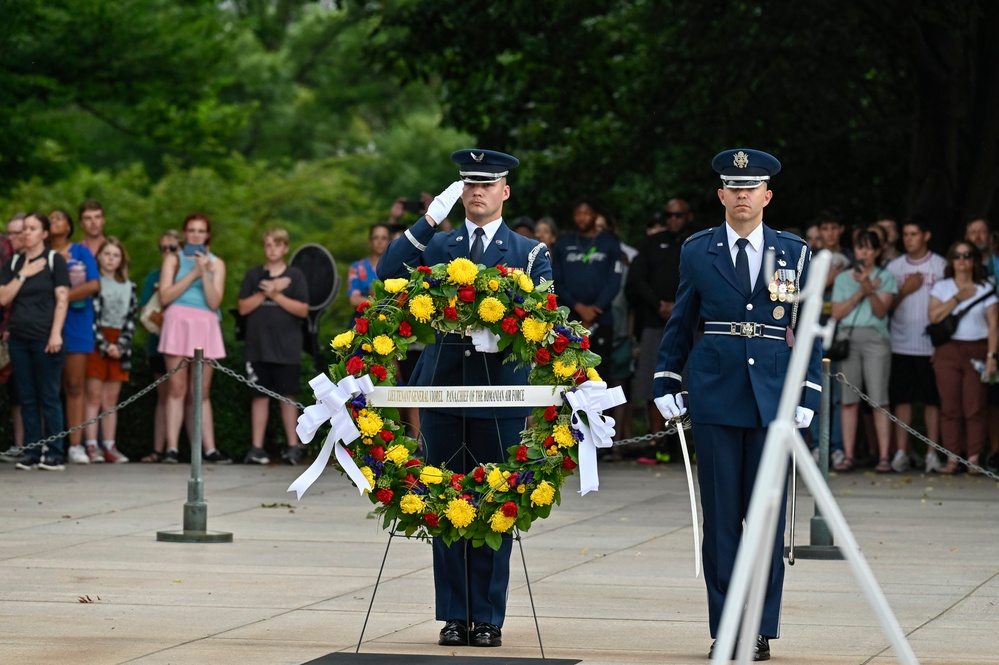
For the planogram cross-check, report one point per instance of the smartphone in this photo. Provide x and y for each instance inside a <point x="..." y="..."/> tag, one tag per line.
<point x="412" y="206"/>
<point x="191" y="250"/>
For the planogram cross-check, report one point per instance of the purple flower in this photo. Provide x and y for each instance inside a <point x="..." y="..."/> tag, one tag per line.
<point x="377" y="468"/>
<point x="519" y="299"/>
<point x="576" y="434"/>
<point x="433" y="281"/>
<point x="526" y="478"/>
<point x="359" y="402"/>
<point x="419" y="488"/>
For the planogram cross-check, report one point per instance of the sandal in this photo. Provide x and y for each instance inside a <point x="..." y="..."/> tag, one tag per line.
<point x="153" y="457"/>
<point x="950" y="468"/>
<point x="884" y="466"/>
<point x="845" y="465"/>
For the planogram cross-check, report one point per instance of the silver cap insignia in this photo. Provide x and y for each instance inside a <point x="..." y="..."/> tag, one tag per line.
<point x="741" y="160"/>
<point x="479" y="158"/>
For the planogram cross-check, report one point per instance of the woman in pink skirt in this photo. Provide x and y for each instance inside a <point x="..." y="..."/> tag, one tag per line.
<point x="192" y="282"/>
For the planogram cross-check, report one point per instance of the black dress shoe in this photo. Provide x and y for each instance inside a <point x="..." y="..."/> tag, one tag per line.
<point x="486" y="635"/>
<point x="454" y="634"/>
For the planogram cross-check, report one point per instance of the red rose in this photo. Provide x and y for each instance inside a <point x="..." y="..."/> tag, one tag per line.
<point x="579" y="376"/>
<point x="519" y="312"/>
<point x="512" y="480"/>
<point x="424" y="269"/>
<point x="542" y="357"/>
<point x="456" y="480"/>
<point x="568" y="464"/>
<point x="509" y="325"/>
<point x="560" y="343"/>
<point x="509" y="509"/>
<point x="522" y="454"/>
<point x="384" y="495"/>
<point x="405" y="329"/>
<point x="466" y="293"/>
<point x="549" y="441"/>
<point x="585" y="344"/>
<point x="413" y="462"/>
<point x="409" y="481"/>
<point x="551" y="413"/>
<point x="502" y="269"/>
<point x="402" y="299"/>
<point x="431" y="519"/>
<point x="361" y="325"/>
<point x="355" y="365"/>
<point x="551" y="304"/>
<point x="479" y="474"/>
<point x="386" y="435"/>
<point x="364" y="305"/>
<point x="378" y="453"/>
<point x="466" y="497"/>
<point x="451" y="313"/>
<point x="378" y="371"/>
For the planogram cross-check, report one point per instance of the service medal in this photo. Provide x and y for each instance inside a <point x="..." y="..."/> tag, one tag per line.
<point x="779" y="312"/>
<point x="773" y="297"/>
<point x="782" y="297"/>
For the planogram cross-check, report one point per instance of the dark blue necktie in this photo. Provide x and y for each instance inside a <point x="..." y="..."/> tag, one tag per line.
<point x="477" y="246"/>
<point x="742" y="266"/>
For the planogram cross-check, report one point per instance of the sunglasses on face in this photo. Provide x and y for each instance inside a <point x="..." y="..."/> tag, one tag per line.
<point x="168" y="248"/>
<point x="963" y="255"/>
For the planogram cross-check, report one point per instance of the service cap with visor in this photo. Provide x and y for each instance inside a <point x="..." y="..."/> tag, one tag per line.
<point x="482" y="166"/>
<point x="744" y="168"/>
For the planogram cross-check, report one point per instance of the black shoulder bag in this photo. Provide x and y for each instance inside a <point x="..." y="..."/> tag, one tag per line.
<point x="941" y="331"/>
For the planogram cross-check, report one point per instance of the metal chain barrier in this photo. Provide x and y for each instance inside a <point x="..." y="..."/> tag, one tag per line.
<point x="17" y="451"/>
<point x="839" y="376"/>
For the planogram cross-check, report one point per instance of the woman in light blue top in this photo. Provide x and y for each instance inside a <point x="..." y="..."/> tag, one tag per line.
<point x="861" y="302"/>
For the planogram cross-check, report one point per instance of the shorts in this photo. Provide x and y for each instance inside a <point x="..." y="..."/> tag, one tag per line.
<point x="648" y="351"/>
<point x="868" y="366"/>
<point x="912" y="381"/>
<point x="187" y="328"/>
<point x="278" y="378"/>
<point x="103" y="368"/>
<point x="622" y="362"/>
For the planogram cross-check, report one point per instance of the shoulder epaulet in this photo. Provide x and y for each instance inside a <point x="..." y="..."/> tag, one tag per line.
<point x="699" y="234"/>
<point x="787" y="235"/>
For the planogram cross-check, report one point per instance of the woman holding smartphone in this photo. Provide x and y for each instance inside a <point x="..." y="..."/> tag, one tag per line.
<point x="192" y="282"/>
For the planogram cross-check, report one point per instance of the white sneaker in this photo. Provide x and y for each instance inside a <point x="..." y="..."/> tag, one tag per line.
<point x="77" y="455"/>
<point x="900" y="463"/>
<point x="114" y="455"/>
<point x="932" y="462"/>
<point x="836" y="458"/>
<point x="95" y="455"/>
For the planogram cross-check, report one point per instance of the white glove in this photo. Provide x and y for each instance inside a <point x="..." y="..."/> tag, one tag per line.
<point x="440" y="207"/>
<point x="802" y="417"/>
<point x="485" y="341"/>
<point x="670" y="406"/>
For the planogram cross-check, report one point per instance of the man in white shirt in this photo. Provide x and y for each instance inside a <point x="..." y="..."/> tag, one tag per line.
<point x="912" y="379"/>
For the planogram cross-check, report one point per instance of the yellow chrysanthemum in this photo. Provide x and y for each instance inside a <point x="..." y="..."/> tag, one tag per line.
<point x="534" y="330"/>
<point x="343" y="340"/>
<point x="491" y="310"/>
<point x="422" y="307"/>
<point x="521" y="489"/>
<point x="383" y="345"/>
<point x="367" y="440"/>
<point x="591" y="374"/>
<point x="382" y="317"/>
<point x="366" y="347"/>
<point x="563" y="370"/>
<point x="369" y="476"/>
<point x="500" y="523"/>
<point x="525" y="283"/>
<point x="431" y="476"/>
<point x="412" y="504"/>
<point x="369" y="423"/>
<point x="462" y="271"/>
<point x="426" y="285"/>
<point x="395" y="285"/>
<point x="494" y="285"/>
<point x="543" y="494"/>
<point x="397" y="454"/>
<point x="562" y="436"/>
<point x="460" y="512"/>
<point x="497" y="480"/>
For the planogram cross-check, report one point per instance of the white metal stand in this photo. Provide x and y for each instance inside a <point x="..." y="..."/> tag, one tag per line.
<point x="744" y="600"/>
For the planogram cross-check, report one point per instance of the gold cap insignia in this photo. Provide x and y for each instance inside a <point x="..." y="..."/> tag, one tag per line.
<point x="741" y="160"/>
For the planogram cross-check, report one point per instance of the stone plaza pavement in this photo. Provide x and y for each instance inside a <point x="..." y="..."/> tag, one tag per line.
<point x="611" y="572"/>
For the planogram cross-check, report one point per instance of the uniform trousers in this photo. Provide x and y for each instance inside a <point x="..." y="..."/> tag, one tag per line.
<point x="470" y="582"/>
<point x="727" y="462"/>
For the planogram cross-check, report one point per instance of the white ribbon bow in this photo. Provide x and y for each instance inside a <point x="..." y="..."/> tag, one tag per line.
<point x="331" y="399"/>
<point x="592" y="398"/>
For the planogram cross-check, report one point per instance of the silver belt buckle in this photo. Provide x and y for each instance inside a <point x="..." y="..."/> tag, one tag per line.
<point x="745" y="329"/>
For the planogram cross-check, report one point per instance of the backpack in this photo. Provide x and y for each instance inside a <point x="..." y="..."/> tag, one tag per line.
<point x="13" y="262"/>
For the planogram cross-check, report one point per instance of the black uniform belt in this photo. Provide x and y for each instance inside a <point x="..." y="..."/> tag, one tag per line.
<point x="744" y="329"/>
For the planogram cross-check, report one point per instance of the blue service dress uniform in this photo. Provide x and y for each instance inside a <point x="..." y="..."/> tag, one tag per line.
<point x="463" y="438"/>
<point x="735" y="377"/>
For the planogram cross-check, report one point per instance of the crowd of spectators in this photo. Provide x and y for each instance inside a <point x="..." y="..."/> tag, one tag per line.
<point x="68" y="313"/>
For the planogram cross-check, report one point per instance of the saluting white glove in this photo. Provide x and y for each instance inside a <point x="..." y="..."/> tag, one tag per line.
<point x="802" y="417"/>
<point x="670" y="406"/>
<point x="485" y="341"/>
<point x="440" y="207"/>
